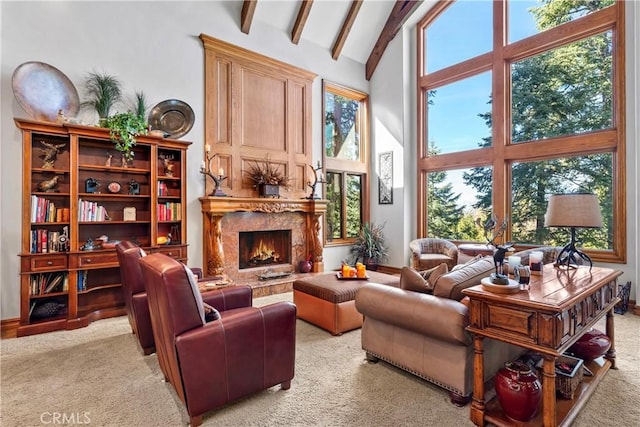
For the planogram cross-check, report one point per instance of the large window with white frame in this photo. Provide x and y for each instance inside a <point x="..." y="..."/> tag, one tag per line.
<point x="518" y="100"/>
<point x="345" y="157"/>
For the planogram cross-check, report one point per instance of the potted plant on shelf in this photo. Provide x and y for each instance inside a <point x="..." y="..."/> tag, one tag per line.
<point x="267" y="177"/>
<point x="123" y="130"/>
<point x="103" y="91"/>
<point x="370" y="245"/>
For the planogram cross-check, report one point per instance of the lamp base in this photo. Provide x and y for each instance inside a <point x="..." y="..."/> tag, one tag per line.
<point x="568" y="256"/>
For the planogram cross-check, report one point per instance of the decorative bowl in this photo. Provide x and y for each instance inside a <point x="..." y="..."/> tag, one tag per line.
<point x="591" y="345"/>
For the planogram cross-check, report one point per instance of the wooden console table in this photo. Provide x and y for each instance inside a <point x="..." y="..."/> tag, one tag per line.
<point x="559" y="307"/>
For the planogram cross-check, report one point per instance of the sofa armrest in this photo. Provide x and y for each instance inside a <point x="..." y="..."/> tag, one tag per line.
<point x="229" y="298"/>
<point x="441" y="318"/>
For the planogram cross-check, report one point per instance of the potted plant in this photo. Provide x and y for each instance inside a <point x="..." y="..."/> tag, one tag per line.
<point x="104" y="91"/>
<point x="370" y="246"/>
<point x="123" y="130"/>
<point x="267" y="177"/>
<point x="139" y="104"/>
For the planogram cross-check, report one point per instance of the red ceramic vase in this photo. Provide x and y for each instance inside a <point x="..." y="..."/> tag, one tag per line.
<point x="519" y="390"/>
<point x="591" y="345"/>
<point x="305" y="266"/>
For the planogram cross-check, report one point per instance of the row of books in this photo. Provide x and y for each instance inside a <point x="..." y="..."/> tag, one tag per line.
<point x="169" y="211"/>
<point x="81" y="283"/>
<point x="165" y="190"/>
<point x="44" y="210"/>
<point x="44" y="241"/>
<point x="91" y="211"/>
<point x="46" y="283"/>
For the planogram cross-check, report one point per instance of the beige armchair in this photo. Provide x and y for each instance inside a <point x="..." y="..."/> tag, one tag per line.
<point x="431" y="252"/>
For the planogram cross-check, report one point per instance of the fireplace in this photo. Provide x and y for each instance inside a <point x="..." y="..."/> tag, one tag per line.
<point x="264" y="248"/>
<point x="234" y="226"/>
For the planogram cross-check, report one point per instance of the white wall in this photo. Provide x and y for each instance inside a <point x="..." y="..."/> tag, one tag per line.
<point x="153" y="47"/>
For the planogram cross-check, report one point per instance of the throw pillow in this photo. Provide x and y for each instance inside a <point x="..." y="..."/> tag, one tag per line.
<point x="433" y="274"/>
<point x="451" y="284"/>
<point x="411" y="280"/>
<point x="196" y="293"/>
<point x="471" y="261"/>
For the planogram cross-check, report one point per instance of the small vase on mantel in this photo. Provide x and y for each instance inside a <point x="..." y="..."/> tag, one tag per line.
<point x="519" y="391"/>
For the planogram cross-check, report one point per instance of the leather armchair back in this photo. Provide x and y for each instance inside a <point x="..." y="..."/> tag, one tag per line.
<point x="246" y="350"/>
<point x="135" y="296"/>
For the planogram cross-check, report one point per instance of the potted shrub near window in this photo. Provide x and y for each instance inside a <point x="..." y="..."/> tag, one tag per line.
<point x="370" y="246"/>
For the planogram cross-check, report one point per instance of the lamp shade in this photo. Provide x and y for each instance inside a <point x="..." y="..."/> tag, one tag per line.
<point x="573" y="210"/>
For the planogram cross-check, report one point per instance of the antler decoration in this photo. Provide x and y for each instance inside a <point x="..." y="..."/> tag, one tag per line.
<point x="491" y="228"/>
<point x="316" y="180"/>
<point x="205" y="169"/>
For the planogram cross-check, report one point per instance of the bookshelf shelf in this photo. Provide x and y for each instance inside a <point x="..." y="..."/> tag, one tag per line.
<point x="60" y="215"/>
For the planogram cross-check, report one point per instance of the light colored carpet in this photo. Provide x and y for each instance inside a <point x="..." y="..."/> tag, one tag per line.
<point x="97" y="376"/>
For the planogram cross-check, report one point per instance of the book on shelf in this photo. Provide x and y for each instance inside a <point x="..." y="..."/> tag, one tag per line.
<point x="81" y="284"/>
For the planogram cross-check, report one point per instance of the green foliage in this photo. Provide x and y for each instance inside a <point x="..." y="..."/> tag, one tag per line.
<point x="139" y="106"/>
<point x="103" y="91"/>
<point x="123" y="130"/>
<point x="370" y="243"/>
<point x="560" y="92"/>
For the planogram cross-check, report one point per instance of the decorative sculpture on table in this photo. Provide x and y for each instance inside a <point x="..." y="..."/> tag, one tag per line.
<point x="49" y="154"/>
<point x="205" y="169"/>
<point x="493" y="233"/>
<point x="317" y="179"/>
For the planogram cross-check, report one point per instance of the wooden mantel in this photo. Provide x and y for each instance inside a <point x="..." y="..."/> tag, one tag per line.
<point x="214" y="208"/>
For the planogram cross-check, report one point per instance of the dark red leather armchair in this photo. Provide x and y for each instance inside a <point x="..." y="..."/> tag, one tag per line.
<point x="210" y="364"/>
<point x="137" y="306"/>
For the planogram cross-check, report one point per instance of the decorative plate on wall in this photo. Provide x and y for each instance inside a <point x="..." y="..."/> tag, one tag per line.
<point x="42" y="90"/>
<point x="172" y="116"/>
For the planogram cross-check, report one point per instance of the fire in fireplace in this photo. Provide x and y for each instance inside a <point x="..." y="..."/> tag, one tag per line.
<point x="264" y="248"/>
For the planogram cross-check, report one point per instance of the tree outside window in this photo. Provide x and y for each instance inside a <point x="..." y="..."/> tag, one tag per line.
<point x="345" y="142"/>
<point x="552" y="116"/>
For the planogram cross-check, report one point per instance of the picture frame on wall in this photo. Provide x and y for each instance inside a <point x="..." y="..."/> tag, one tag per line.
<point x="385" y="178"/>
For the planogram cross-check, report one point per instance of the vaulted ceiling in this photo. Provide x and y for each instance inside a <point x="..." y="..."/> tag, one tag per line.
<point x="357" y="29"/>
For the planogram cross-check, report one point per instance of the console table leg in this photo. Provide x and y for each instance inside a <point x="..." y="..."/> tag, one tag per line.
<point x="611" y="353"/>
<point x="549" y="392"/>
<point x="478" y="403"/>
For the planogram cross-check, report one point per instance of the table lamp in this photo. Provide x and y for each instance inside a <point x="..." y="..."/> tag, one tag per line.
<point x="574" y="210"/>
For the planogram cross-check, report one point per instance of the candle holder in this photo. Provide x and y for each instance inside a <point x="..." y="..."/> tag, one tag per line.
<point x="316" y="180"/>
<point x="205" y="169"/>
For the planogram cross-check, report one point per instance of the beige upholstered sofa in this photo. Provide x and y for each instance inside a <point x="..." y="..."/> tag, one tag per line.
<point x="424" y="333"/>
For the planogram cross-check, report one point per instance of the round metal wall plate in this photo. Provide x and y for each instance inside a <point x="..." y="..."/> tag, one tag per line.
<point x="173" y="117"/>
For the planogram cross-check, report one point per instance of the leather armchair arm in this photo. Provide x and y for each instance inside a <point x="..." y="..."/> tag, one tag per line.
<point x="441" y="318"/>
<point x="229" y="298"/>
<point x="229" y="356"/>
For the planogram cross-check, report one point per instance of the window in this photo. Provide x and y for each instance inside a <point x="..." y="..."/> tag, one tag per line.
<point x="345" y="155"/>
<point x="501" y="130"/>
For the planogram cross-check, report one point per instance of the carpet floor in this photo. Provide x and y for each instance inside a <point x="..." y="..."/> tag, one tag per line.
<point x="98" y="376"/>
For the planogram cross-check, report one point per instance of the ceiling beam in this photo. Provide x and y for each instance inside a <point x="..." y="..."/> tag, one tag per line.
<point x="401" y="11"/>
<point x="303" y="14"/>
<point x="248" y="8"/>
<point x="346" y="28"/>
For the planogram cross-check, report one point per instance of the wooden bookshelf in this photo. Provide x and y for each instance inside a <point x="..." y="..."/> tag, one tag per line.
<point x="63" y="214"/>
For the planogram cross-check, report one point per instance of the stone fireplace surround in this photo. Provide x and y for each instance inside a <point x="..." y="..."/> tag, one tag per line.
<point x="225" y="217"/>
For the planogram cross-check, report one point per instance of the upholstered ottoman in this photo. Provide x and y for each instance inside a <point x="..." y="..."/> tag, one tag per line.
<point x="328" y="302"/>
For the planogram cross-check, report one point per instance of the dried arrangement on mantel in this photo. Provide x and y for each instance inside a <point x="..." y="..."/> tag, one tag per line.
<point x="267" y="177"/>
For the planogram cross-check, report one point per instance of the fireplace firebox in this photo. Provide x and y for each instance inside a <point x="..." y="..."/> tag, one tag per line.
<point x="264" y="248"/>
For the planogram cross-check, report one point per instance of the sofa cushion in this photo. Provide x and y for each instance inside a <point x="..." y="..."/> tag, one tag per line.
<point x="434" y="273"/>
<point x="471" y="261"/>
<point x="451" y="284"/>
<point x="421" y="281"/>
